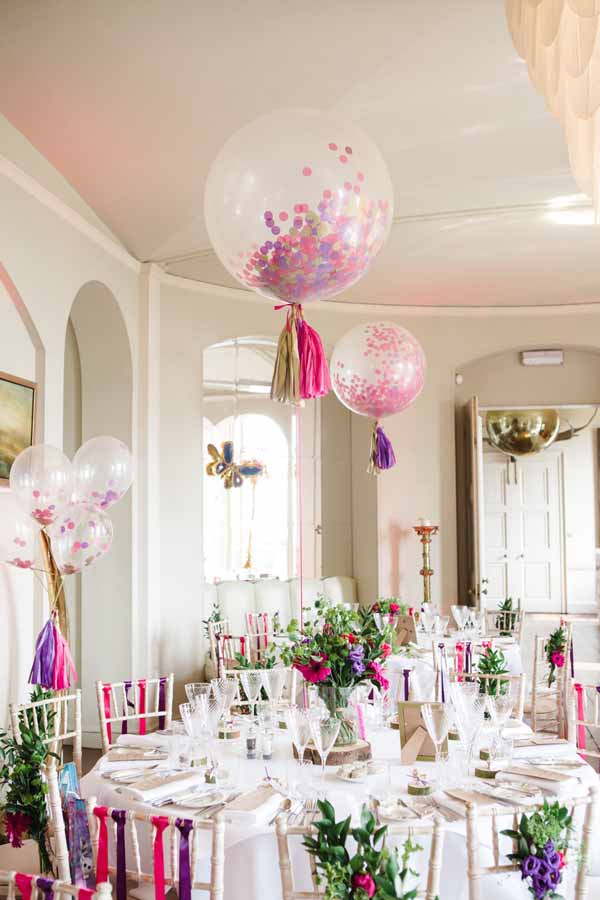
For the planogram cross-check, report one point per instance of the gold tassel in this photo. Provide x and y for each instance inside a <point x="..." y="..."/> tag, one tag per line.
<point x="285" y="387"/>
<point x="55" y="586"/>
<point x="372" y="468"/>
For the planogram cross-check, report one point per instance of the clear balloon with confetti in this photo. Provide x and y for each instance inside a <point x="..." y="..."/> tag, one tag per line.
<point x="81" y="537"/>
<point x="42" y="480"/>
<point x="19" y="535"/>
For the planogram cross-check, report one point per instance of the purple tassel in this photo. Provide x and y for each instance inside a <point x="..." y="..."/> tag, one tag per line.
<point x="162" y="703"/>
<point x="442" y="649"/>
<point x="382" y="452"/>
<point x="42" y="670"/>
<point x="185" y="876"/>
<point x="406" y="675"/>
<point x="572" y="659"/>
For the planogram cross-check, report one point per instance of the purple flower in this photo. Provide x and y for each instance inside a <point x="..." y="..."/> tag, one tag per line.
<point x="553" y="859"/>
<point x="540" y="887"/>
<point x="356" y="657"/>
<point x="530" y="866"/>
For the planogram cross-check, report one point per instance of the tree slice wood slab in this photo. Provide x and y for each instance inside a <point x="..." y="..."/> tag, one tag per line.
<point x="338" y="756"/>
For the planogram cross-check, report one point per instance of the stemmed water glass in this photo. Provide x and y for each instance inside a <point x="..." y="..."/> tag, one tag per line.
<point x="437" y="722"/>
<point x="324" y="733"/>
<point x="273" y="681"/>
<point x="500" y="707"/>
<point x="197" y="689"/>
<point x="461" y="616"/>
<point x="225" y="689"/>
<point x="428" y="616"/>
<point x="469" y="708"/>
<point x="252" y="682"/>
<point x="298" y="722"/>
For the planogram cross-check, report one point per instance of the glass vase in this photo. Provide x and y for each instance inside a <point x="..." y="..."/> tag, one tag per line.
<point x="337" y="700"/>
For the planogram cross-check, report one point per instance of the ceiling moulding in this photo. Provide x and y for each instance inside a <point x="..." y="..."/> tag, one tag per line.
<point x="341" y="307"/>
<point x="67" y="213"/>
<point x="560" y="42"/>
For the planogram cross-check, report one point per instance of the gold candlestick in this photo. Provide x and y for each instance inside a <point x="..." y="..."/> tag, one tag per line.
<point x="426" y="532"/>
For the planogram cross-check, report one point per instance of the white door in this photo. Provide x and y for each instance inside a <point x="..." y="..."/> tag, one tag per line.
<point x="523" y="538"/>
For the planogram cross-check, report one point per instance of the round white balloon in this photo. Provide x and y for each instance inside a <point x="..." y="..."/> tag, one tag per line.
<point x="81" y="537"/>
<point x="103" y="468"/>
<point x="19" y="535"/>
<point x="42" y="479"/>
<point x="298" y="204"/>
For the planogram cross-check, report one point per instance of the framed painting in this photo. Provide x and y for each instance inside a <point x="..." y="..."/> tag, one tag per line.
<point x="17" y="417"/>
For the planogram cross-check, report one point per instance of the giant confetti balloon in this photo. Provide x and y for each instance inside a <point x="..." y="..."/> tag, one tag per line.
<point x="103" y="472"/>
<point x="42" y="479"/>
<point x="80" y="537"/>
<point x="377" y="369"/>
<point x="19" y="536"/>
<point x="298" y="204"/>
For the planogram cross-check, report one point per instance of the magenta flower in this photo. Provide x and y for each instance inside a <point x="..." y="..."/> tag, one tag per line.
<point x="365" y="882"/>
<point x="314" y="671"/>
<point x="379" y="674"/>
<point x="558" y="659"/>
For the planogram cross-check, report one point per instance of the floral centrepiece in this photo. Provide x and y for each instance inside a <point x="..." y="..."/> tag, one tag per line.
<point x="556" y="652"/>
<point x="337" y="652"/>
<point x="374" y="871"/>
<point x="541" y="844"/>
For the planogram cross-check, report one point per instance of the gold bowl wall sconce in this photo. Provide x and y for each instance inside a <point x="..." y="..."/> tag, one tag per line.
<point x="522" y="432"/>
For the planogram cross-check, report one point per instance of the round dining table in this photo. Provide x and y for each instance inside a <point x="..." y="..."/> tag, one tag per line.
<point x="251" y="860"/>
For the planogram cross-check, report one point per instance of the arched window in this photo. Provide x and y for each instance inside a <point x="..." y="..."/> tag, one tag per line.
<point x="247" y="528"/>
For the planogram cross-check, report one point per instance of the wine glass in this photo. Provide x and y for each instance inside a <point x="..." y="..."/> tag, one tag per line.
<point x="441" y="624"/>
<point x="428" y="616"/>
<point x="469" y="709"/>
<point x="252" y="682"/>
<point x="225" y="689"/>
<point x="461" y="615"/>
<point x="273" y="681"/>
<point x="192" y="721"/>
<point x="324" y="733"/>
<point x="437" y="722"/>
<point x="197" y="689"/>
<point x="298" y="722"/>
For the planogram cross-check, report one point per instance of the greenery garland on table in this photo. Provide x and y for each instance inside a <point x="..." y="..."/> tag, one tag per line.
<point x="373" y="872"/>
<point x="492" y="662"/>
<point x="555" y="652"/>
<point x="24" y="808"/>
<point x="541" y="843"/>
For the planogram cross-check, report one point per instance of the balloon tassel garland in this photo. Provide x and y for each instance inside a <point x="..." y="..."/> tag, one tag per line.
<point x="301" y="371"/>
<point x="53" y="667"/>
<point x="382" y="453"/>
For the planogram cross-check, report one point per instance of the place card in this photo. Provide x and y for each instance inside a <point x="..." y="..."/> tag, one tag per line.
<point x="406" y="632"/>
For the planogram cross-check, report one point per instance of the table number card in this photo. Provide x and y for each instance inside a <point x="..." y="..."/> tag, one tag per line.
<point x="406" y="631"/>
<point x="415" y="743"/>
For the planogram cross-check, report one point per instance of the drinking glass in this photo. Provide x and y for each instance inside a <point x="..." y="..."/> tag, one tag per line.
<point x="437" y="722"/>
<point x="192" y="722"/>
<point x="428" y="619"/>
<point x="324" y="734"/>
<point x="225" y="689"/>
<point x="461" y="616"/>
<point x="197" y="689"/>
<point x="469" y="710"/>
<point x="298" y="723"/>
<point x="441" y="624"/>
<point x="273" y="681"/>
<point x="252" y="682"/>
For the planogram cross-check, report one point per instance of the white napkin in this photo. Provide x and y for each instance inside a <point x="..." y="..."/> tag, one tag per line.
<point x="255" y="807"/>
<point x="569" y="787"/>
<point x="145" y="741"/>
<point x="159" y="786"/>
<point x="106" y="766"/>
<point x="552" y="749"/>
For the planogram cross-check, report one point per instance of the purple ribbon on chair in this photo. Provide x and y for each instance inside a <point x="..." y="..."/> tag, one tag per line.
<point x="128" y="705"/>
<point x="185" y="878"/>
<point x="162" y="702"/>
<point x="406" y="676"/>
<point x="120" y="817"/>
<point x="572" y="659"/>
<point x="47" y="886"/>
<point x="468" y="656"/>
<point x="442" y="649"/>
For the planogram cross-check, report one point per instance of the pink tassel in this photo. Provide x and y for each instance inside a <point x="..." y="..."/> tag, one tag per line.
<point x="64" y="668"/>
<point x="314" y="372"/>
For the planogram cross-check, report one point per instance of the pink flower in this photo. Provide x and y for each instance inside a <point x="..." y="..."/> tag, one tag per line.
<point x="558" y="659"/>
<point x="386" y="650"/>
<point x="379" y="675"/>
<point x="394" y="607"/>
<point x="16" y="824"/>
<point x="314" y="671"/>
<point x="365" y="882"/>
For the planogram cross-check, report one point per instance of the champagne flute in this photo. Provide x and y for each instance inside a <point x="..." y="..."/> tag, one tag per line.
<point x="252" y="682"/>
<point x="298" y="722"/>
<point x="225" y="689"/>
<point x="437" y="722"/>
<point x="324" y="734"/>
<point x="273" y="681"/>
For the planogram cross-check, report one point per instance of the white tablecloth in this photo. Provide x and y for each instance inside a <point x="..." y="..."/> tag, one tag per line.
<point x="252" y="870"/>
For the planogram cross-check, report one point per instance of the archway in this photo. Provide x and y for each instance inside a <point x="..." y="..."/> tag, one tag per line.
<point x="98" y="386"/>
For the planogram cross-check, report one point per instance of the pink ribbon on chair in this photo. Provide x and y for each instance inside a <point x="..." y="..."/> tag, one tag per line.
<point x="24" y="884"/>
<point x="160" y="823"/>
<point x="581" y="742"/>
<point x="101" y="813"/>
<point x="185" y="878"/>
<point x="460" y="659"/>
<point x="120" y="817"/>
<point x="85" y="893"/>
<point x="106" y="688"/>
<point x="406" y="678"/>
<point x="162" y="701"/>
<point x="142" y="689"/>
<point x="266" y="630"/>
<point x="243" y="646"/>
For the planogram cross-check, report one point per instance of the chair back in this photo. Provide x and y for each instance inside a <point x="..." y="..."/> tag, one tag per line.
<point x="493" y="684"/>
<point x="58" y="717"/>
<point x="484" y="827"/>
<point x="259" y="633"/>
<point x="36" y="887"/>
<point x="223" y="646"/>
<point x="429" y="891"/>
<point x="504" y="623"/>
<point x="131" y="839"/>
<point x="584" y="714"/>
<point x="133" y="703"/>
<point x="549" y="701"/>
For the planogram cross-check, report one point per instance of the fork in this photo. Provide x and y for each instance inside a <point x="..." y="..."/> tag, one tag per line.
<point x="310" y="809"/>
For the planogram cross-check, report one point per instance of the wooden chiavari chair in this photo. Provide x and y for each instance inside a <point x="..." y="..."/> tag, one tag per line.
<point x="549" y="704"/>
<point x="136" y="702"/>
<point x="223" y="646"/>
<point x="259" y="634"/>
<point x="14" y="882"/>
<point x="504" y="623"/>
<point x="155" y="843"/>
<point x="484" y="826"/>
<point x="59" y="717"/>
<point x="584" y="715"/>
<point x="434" y="831"/>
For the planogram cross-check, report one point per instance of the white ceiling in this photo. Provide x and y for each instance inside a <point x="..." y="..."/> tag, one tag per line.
<point x="131" y="100"/>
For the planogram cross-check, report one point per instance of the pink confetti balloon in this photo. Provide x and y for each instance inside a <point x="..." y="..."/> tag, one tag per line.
<point x="80" y="538"/>
<point x="378" y="369"/>
<point x="298" y="204"/>
<point x="103" y="472"/>
<point x="19" y="536"/>
<point x="42" y="479"/>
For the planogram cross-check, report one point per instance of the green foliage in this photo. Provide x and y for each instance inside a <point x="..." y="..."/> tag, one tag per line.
<point x="492" y="662"/>
<point x="21" y="767"/>
<point x="506" y="623"/>
<point x="557" y="644"/>
<point x="388" y="869"/>
<point x="215" y="616"/>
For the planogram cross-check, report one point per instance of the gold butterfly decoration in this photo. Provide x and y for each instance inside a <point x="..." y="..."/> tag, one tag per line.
<point x="233" y="474"/>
